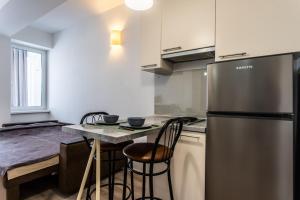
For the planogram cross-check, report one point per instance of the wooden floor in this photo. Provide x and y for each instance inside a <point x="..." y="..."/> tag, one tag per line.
<point x="47" y="190"/>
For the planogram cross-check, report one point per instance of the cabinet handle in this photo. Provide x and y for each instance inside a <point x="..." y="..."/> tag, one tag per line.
<point x="233" y="55"/>
<point x="197" y="139"/>
<point x="149" y="66"/>
<point x="172" y="49"/>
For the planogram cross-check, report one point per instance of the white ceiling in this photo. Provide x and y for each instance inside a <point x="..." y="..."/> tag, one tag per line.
<point x="18" y="14"/>
<point x="71" y="12"/>
<point x="3" y="2"/>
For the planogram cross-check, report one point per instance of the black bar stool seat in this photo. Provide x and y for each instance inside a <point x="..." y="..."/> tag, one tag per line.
<point x="142" y="152"/>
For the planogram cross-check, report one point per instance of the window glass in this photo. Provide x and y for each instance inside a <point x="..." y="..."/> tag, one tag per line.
<point x="34" y="79"/>
<point x="28" y="78"/>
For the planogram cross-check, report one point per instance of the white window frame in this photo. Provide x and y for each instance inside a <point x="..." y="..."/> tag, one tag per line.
<point x="44" y="106"/>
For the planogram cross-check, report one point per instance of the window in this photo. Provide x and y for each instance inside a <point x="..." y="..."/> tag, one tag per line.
<point x="28" y="79"/>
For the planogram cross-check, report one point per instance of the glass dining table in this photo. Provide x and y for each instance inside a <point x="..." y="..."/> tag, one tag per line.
<point x="113" y="134"/>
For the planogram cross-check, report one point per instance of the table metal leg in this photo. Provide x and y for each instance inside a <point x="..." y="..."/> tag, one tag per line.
<point x="98" y="169"/>
<point x="86" y="173"/>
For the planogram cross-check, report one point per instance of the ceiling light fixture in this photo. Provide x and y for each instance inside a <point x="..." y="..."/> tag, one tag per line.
<point x="139" y="4"/>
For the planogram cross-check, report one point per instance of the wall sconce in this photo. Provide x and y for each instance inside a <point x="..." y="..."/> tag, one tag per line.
<point x="116" y="37"/>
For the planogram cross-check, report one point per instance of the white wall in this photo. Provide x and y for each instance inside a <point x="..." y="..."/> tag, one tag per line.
<point x="4" y="79"/>
<point x="34" y="37"/>
<point x="87" y="74"/>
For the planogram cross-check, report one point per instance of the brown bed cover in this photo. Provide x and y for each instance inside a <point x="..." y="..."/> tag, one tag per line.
<point x="28" y="143"/>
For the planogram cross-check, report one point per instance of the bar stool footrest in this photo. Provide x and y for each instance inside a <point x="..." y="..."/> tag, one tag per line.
<point x="154" y="198"/>
<point x="120" y="184"/>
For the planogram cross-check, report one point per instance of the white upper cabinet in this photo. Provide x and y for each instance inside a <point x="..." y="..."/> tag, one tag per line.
<point x="187" y="25"/>
<point x="251" y="28"/>
<point x="150" y="58"/>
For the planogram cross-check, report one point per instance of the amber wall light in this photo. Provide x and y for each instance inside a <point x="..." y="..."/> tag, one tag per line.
<point x="116" y="37"/>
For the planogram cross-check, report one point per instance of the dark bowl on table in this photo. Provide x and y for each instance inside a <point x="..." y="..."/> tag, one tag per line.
<point x="110" y="118"/>
<point x="136" y="121"/>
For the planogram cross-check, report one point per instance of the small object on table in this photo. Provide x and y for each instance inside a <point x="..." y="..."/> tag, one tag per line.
<point x="102" y="122"/>
<point x="136" y="121"/>
<point x="155" y="125"/>
<point x="110" y="118"/>
<point x="128" y="126"/>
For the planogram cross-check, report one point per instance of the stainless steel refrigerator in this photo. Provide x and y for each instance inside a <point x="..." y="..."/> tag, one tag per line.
<point x="252" y="129"/>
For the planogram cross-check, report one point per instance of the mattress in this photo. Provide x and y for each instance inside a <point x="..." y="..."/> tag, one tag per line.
<point x="23" y="145"/>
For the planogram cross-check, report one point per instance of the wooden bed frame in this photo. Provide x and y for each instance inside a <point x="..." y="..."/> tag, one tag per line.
<point x="9" y="184"/>
<point x="28" y="169"/>
<point x="69" y="165"/>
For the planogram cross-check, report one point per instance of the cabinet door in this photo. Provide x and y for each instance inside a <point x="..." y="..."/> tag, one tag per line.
<point x="187" y="169"/>
<point x="187" y="24"/>
<point x="151" y="36"/>
<point x="251" y="28"/>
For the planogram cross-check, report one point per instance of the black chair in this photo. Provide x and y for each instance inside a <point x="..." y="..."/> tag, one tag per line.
<point x="149" y="154"/>
<point x="111" y="150"/>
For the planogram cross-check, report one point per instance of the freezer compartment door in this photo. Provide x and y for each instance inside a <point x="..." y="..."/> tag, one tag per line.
<point x="249" y="159"/>
<point x="259" y="85"/>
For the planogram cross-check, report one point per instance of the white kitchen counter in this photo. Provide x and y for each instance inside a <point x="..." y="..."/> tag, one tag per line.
<point x="199" y="127"/>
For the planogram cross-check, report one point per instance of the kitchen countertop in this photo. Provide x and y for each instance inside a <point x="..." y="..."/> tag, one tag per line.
<point x="199" y="127"/>
<point x="116" y="135"/>
<point x="113" y="134"/>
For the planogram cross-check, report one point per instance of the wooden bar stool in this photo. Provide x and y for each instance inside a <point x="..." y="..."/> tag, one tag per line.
<point x="111" y="150"/>
<point x="160" y="152"/>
